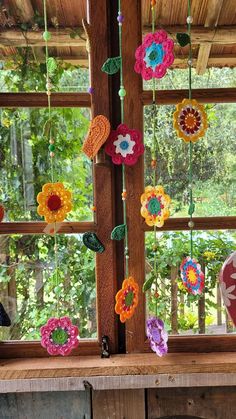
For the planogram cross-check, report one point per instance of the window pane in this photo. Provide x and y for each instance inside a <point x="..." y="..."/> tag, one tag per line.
<point x="29" y="290"/>
<point x="25" y="161"/>
<point x="214" y="187"/>
<point x="182" y="312"/>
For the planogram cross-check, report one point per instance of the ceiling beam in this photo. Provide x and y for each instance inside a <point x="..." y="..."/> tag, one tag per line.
<point x="172" y="97"/>
<point x="213" y="13"/>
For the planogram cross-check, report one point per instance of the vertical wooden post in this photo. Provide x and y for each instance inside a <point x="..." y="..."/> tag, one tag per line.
<point x="103" y="175"/>
<point x="174" y="300"/>
<point x="132" y="38"/>
<point x="202" y="308"/>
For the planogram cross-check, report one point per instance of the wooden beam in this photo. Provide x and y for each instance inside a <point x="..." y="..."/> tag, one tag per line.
<point x="172" y="97"/>
<point x="37" y="227"/>
<point x="222" y="35"/>
<point x="213" y="12"/>
<point x="226" y="60"/>
<point x="40" y="100"/>
<point x="200" y="223"/>
<point x="23" y="9"/>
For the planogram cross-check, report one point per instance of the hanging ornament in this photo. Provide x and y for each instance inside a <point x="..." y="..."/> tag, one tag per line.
<point x="124" y="145"/>
<point x="157" y="336"/>
<point x="127" y="299"/>
<point x="155" y="206"/>
<point x="59" y="336"/>
<point x="190" y="120"/>
<point x="192" y="276"/>
<point x="112" y="65"/>
<point x="5" y="320"/>
<point x="92" y="242"/>
<point x="154" y="56"/>
<point x="99" y="131"/>
<point x="54" y="202"/>
<point x="118" y="233"/>
<point x="183" y="39"/>
<point x="228" y="285"/>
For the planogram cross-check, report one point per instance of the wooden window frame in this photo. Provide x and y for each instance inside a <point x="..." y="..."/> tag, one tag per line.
<point x="136" y="99"/>
<point x="103" y="197"/>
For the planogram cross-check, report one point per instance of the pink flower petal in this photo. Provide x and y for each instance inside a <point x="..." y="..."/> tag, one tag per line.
<point x="148" y="40"/>
<point x="160" y="71"/>
<point x="168" y="59"/>
<point x="140" y="53"/>
<point x="65" y="322"/>
<point x="147" y="73"/>
<point x="168" y="45"/>
<point x="160" y="36"/>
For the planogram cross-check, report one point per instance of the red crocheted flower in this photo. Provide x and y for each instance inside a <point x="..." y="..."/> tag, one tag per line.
<point x="59" y="336"/>
<point x="124" y="145"/>
<point x="154" y="56"/>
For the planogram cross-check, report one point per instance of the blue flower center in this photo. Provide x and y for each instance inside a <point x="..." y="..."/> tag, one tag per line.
<point x="154" y="206"/>
<point x="154" y="55"/>
<point x="124" y="145"/>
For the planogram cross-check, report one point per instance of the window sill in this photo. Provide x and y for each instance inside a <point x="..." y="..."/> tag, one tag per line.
<point x="117" y="372"/>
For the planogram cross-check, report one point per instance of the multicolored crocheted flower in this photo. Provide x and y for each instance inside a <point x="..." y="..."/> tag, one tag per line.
<point x="59" y="336"/>
<point x="154" y="56"/>
<point x="192" y="276"/>
<point x="190" y="120"/>
<point x="155" y="205"/>
<point x="157" y="336"/>
<point x="54" y="202"/>
<point x="127" y="299"/>
<point x="124" y="145"/>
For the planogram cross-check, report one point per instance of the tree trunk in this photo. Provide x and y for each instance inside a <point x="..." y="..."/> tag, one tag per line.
<point x="39" y="288"/>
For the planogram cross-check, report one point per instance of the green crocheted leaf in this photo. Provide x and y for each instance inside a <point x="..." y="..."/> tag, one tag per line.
<point x="191" y="209"/>
<point x="112" y="65"/>
<point x="92" y="242"/>
<point x="118" y="233"/>
<point x="183" y="39"/>
<point x="52" y="66"/>
<point x="148" y="283"/>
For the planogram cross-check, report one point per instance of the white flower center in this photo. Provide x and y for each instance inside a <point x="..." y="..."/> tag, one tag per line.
<point x="124" y="145"/>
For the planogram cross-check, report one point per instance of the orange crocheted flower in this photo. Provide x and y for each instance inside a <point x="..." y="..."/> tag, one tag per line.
<point x="155" y="205"/>
<point x="127" y="299"/>
<point x="190" y="120"/>
<point x="54" y="202"/>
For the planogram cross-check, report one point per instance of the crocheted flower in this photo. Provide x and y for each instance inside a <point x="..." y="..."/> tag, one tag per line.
<point x="127" y="299"/>
<point x="192" y="276"/>
<point x="54" y="202"/>
<point x="190" y="120"/>
<point x="154" y="56"/>
<point x="124" y="145"/>
<point x="155" y="205"/>
<point x="59" y="336"/>
<point x="157" y="336"/>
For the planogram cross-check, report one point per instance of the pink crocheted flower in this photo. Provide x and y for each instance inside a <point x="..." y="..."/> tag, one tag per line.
<point x="124" y="145"/>
<point x="59" y="336"/>
<point x="154" y="56"/>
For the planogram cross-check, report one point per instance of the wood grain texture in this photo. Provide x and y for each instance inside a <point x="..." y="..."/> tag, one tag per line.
<point x="125" y="404"/>
<point x="53" y="405"/>
<point x="37" y="227"/>
<point x="39" y="100"/>
<point x="200" y="223"/>
<point x="210" y="403"/>
<point x="172" y="97"/>
<point x="135" y="327"/>
<point x="203" y="58"/>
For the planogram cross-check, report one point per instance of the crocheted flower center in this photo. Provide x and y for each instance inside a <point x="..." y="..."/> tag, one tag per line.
<point x="192" y="276"/>
<point x="124" y="145"/>
<point x="54" y="202"/>
<point x="154" y="55"/>
<point x="59" y="336"/>
<point x="129" y="298"/>
<point x="154" y="206"/>
<point x="190" y="120"/>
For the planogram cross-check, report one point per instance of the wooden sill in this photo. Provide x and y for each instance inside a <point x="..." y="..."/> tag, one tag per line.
<point x="119" y="371"/>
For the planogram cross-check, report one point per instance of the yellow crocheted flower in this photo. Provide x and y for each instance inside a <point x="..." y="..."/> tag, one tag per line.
<point x="155" y="205"/>
<point x="54" y="202"/>
<point x="190" y="120"/>
<point x="127" y="299"/>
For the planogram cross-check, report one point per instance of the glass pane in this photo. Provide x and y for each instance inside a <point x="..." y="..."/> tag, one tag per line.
<point x="178" y="79"/>
<point x="214" y="167"/>
<point x="182" y="312"/>
<point x="25" y="161"/>
<point x="30" y="291"/>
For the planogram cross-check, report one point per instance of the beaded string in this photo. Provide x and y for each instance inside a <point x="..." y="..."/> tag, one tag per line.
<point x="51" y="147"/>
<point x="191" y="204"/>
<point x="122" y="94"/>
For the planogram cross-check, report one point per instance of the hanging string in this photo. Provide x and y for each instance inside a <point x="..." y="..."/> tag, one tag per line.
<point x="46" y="37"/>
<point x="189" y="22"/>
<point x="122" y="94"/>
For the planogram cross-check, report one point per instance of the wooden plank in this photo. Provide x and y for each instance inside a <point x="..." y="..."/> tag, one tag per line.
<point x="203" y="58"/>
<point x="200" y="223"/>
<point x="45" y="405"/>
<point x="38" y="227"/>
<point x="226" y="60"/>
<point x="114" y="404"/>
<point x="192" y="403"/>
<point x="39" y="100"/>
<point x="23" y="9"/>
<point x="172" y="97"/>
<point x="118" y="365"/>
<point x="103" y="177"/>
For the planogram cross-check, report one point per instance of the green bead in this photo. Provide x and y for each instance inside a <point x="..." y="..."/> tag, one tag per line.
<point x="122" y="92"/>
<point x="47" y="36"/>
<point x="51" y="147"/>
